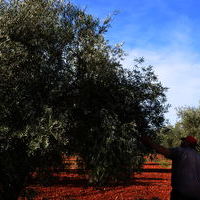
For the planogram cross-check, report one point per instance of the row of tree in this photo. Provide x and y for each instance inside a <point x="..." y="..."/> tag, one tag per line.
<point x="63" y="90"/>
<point x="188" y="124"/>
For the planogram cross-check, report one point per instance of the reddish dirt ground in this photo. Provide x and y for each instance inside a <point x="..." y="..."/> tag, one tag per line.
<point x="152" y="183"/>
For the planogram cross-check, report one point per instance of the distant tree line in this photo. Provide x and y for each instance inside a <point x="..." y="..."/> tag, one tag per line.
<point x="188" y="124"/>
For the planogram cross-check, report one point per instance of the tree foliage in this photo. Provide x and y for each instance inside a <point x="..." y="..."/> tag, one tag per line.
<point x="188" y="124"/>
<point x="170" y="135"/>
<point x="190" y="120"/>
<point x="63" y="89"/>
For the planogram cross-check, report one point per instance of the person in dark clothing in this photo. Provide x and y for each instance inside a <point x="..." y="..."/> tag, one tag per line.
<point x="185" y="179"/>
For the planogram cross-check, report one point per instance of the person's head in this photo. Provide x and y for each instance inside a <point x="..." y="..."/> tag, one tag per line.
<point x="189" y="141"/>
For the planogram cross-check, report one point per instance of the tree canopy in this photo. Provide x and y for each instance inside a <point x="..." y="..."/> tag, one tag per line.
<point x="188" y="124"/>
<point x="63" y="89"/>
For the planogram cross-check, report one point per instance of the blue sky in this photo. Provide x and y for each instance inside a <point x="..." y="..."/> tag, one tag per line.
<point x="166" y="33"/>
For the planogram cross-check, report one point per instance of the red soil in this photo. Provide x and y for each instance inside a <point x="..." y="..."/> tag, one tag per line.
<point x="152" y="182"/>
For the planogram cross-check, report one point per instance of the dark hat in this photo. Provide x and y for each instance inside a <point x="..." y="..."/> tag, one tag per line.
<point x="190" y="139"/>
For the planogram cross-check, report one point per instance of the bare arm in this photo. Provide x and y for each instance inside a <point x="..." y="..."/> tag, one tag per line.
<point x="160" y="149"/>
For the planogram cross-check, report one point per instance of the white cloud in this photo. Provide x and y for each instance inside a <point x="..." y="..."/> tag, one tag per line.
<point x="178" y="69"/>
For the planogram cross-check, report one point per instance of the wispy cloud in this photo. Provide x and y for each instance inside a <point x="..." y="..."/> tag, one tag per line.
<point x="178" y="69"/>
<point x="176" y="61"/>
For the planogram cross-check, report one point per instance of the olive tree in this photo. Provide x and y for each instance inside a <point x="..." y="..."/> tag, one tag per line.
<point x="63" y="89"/>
